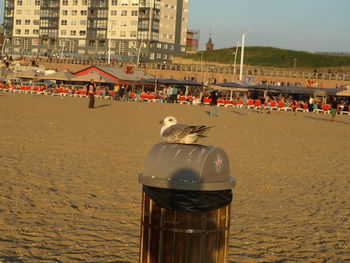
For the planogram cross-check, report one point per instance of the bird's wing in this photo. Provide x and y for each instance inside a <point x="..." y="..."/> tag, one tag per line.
<point x="199" y="129"/>
<point x="179" y="131"/>
<point x="176" y="132"/>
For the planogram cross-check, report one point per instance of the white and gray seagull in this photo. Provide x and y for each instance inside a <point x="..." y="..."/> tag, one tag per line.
<point x="172" y="132"/>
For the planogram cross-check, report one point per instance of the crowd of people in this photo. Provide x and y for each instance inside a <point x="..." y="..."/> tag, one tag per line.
<point x="202" y="96"/>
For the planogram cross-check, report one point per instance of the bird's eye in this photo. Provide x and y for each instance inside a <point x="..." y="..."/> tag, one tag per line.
<point x="170" y="119"/>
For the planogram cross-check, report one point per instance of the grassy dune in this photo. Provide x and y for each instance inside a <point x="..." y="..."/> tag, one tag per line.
<point x="273" y="57"/>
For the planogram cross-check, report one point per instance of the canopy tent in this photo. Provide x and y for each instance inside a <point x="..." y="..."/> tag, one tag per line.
<point x="27" y="74"/>
<point x="60" y="75"/>
<point x="292" y="90"/>
<point x="170" y="82"/>
<point x="95" y="76"/>
<point x="238" y="86"/>
<point x="344" y="93"/>
<point x="231" y="89"/>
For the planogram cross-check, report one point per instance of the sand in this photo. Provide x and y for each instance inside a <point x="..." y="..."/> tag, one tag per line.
<point x="69" y="190"/>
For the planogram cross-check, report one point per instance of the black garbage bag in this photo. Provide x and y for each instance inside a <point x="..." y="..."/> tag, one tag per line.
<point x="189" y="201"/>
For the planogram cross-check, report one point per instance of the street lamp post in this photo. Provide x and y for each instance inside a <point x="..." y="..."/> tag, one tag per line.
<point x="235" y="60"/>
<point x="139" y="52"/>
<point x="3" y="45"/>
<point x="242" y="56"/>
<point x="63" y="46"/>
<point x="109" y="44"/>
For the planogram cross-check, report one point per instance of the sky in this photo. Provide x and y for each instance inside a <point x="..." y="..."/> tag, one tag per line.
<point x="307" y="25"/>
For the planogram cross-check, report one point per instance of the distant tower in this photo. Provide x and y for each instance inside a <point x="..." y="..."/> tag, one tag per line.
<point x="209" y="45"/>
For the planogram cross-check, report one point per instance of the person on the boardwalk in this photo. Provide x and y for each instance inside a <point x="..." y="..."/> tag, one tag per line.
<point x="213" y="104"/>
<point x="334" y="108"/>
<point x="90" y="91"/>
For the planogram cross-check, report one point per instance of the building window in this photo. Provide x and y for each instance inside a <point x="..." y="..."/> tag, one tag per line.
<point x="113" y="12"/>
<point x="73" y="23"/>
<point x="84" y="2"/>
<point x="19" y="2"/>
<point x="74" y="12"/>
<point x="134" y="13"/>
<point x="37" y="2"/>
<point x="81" y="43"/>
<point x="63" y="32"/>
<point x="35" y="42"/>
<point x="65" y="2"/>
<point x="18" y="31"/>
<point x="123" y="23"/>
<point x="102" y="14"/>
<point x="122" y="34"/>
<point x="124" y="13"/>
<point x="27" y="22"/>
<point x="133" y="23"/>
<point x="26" y="31"/>
<point x="132" y="44"/>
<point x="63" y="22"/>
<point x="75" y="2"/>
<point x="83" y="22"/>
<point x="114" y="2"/>
<point x="18" y="22"/>
<point x="37" y="12"/>
<point x="83" y="12"/>
<point x="65" y="12"/>
<point x="82" y="33"/>
<point x="17" y="41"/>
<point x="18" y="12"/>
<point x="151" y="56"/>
<point x="35" y="31"/>
<point x="133" y="34"/>
<point x="122" y="47"/>
<point x="73" y="33"/>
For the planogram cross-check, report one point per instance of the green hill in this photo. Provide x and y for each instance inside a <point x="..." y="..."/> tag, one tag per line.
<point x="272" y="57"/>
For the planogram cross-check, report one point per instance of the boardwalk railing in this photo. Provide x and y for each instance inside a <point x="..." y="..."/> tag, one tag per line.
<point x="337" y="75"/>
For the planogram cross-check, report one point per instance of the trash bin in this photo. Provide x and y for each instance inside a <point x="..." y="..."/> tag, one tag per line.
<point x="186" y="204"/>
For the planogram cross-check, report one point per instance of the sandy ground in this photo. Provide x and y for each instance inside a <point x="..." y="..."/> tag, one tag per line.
<point x="69" y="190"/>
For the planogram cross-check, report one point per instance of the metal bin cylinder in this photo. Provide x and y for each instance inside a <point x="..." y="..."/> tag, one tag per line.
<point x="186" y="204"/>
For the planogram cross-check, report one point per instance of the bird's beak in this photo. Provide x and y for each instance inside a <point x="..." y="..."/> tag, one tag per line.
<point x="161" y="122"/>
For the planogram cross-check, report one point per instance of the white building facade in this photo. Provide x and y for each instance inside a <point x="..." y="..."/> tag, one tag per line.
<point x="126" y="30"/>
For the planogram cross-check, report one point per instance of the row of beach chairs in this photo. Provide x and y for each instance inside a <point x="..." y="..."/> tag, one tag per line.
<point x="150" y="97"/>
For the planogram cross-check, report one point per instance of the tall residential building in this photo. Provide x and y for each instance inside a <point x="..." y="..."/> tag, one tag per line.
<point x="192" y="41"/>
<point x="127" y="30"/>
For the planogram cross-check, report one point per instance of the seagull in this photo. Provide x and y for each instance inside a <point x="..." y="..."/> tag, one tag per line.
<point x="172" y="132"/>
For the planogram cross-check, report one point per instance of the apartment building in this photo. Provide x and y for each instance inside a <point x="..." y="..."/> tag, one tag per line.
<point x="126" y="30"/>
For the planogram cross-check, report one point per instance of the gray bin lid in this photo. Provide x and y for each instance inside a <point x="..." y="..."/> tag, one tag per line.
<point x="187" y="167"/>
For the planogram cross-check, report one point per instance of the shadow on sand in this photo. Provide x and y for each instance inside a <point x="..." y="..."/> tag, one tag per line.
<point x="239" y="113"/>
<point x="102" y="106"/>
<point x="326" y="120"/>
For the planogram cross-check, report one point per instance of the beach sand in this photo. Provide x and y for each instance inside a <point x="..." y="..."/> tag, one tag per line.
<point x="69" y="190"/>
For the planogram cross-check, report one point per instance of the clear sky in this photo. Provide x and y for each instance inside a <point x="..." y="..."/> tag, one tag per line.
<point x="309" y="25"/>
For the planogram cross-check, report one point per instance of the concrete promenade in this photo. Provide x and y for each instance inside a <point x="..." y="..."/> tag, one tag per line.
<point x="219" y="74"/>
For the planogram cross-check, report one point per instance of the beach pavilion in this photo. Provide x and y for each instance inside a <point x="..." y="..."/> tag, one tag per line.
<point x="121" y="76"/>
